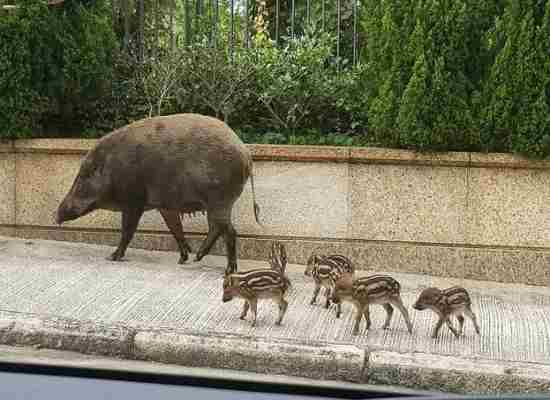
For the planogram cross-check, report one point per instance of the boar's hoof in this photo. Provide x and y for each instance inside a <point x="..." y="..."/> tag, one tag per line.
<point x="187" y="247"/>
<point x="116" y="256"/>
<point x="183" y="258"/>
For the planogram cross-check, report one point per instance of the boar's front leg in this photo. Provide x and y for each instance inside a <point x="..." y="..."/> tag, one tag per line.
<point x="230" y="236"/>
<point x="130" y="221"/>
<point x="173" y="222"/>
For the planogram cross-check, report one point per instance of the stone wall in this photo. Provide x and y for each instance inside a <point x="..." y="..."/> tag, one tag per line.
<point x="466" y="215"/>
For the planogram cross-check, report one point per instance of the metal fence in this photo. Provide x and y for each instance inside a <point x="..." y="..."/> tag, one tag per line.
<point x="147" y="25"/>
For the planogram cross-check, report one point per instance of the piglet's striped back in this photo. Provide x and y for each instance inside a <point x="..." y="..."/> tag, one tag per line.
<point x="259" y="280"/>
<point x="377" y="286"/>
<point x="338" y="262"/>
<point x="332" y="267"/>
<point x="457" y="296"/>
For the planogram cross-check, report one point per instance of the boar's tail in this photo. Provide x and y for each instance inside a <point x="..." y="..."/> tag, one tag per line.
<point x="256" y="206"/>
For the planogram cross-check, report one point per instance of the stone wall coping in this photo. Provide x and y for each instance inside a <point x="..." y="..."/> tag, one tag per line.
<point x="356" y="155"/>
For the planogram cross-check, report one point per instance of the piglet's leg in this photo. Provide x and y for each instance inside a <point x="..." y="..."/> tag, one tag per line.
<point x="358" y="317"/>
<point x="315" y="293"/>
<point x="328" y="295"/>
<point x="366" y="313"/>
<point x="451" y="327"/>
<point x="283" y="305"/>
<point x="470" y="314"/>
<point x="437" y="327"/>
<point x="254" y="308"/>
<point x="246" y="306"/>
<point x="389" y="313"/>
<point x="401" y="307"/>
<point x="338" y="310"/>
<point x="460" y="319"/>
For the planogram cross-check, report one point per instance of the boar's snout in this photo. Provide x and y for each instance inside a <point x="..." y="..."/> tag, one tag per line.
<point x="57" y="217"/>
<point x="67" y="211"/>
<point x="61" y="215"/>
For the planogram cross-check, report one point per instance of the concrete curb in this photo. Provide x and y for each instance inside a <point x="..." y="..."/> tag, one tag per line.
<point x="65" y="334"/>
<point x="455" y="374"/>
<point x="322" y="361"/>
<point x="306" y="360"/>
<point x="318" y="360"/>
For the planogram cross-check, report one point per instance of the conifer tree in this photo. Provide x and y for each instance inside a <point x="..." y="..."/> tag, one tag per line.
<point x="516" y="116"/>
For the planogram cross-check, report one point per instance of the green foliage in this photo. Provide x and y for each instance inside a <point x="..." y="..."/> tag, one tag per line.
<point x="291" y="78"/>
<point x="433" y="74"/>
<point x="459" y="75"/>
<point x="516" y="104"/>
<point x="300" y="87"/>
<point x="419" y="60"/>
<point x="55" y="65"/>
<point x="307" y="137"/>
<point x="218" y="81"/>
<point x="22" y="102"/>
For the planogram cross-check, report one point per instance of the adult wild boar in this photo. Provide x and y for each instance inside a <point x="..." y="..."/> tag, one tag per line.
<point x="177" y="164"/>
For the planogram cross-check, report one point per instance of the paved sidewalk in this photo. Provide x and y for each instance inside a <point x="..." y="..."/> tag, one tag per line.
<point x="149" y="291"/>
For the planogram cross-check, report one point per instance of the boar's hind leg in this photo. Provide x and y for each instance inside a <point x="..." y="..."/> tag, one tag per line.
<point x="217" y="227"/>
<point x="173" y="222"/>
<point x="130" y="221"/>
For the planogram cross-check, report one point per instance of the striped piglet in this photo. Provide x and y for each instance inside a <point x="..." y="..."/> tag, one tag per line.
<point x="451" y="301"/>
<point x="325" y="271"/>
<point x="376" y="289"/>
<point x="258" y="284"/>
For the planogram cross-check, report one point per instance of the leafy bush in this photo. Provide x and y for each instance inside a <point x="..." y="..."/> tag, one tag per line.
<point x="215" y="80"/>
<point x="55" y="64"/>
<point x="300" y="87"/>
<point x="308" y="137"/>
<point x="23" y="101"/>
<point x="433" y="74"/>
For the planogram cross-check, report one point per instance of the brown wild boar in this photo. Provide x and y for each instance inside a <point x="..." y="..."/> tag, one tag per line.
<point x="177" y="164"/>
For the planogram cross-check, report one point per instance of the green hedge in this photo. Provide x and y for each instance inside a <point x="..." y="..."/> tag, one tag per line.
<point x="433" y="75"/>
<point x="55" y="66"/>
<point x="460" y="74"/>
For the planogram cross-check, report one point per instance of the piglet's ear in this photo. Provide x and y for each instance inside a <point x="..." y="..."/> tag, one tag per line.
<point x="283" y="254"/>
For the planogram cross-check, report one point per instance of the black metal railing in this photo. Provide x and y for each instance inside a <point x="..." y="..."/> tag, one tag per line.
<point x="146" y="25"/>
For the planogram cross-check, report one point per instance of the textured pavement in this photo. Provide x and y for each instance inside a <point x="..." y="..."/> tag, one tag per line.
<point x="151" y="290"/>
